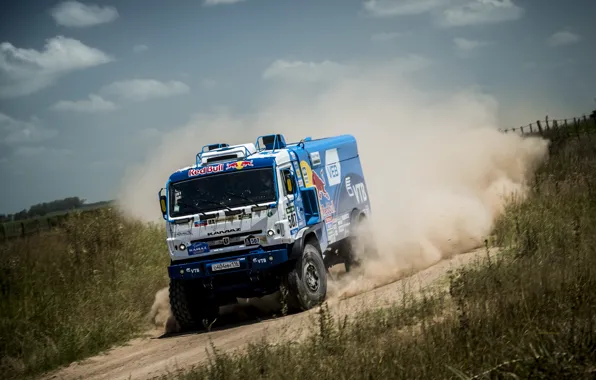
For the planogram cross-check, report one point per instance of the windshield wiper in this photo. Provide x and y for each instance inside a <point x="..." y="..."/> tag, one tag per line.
<point x="242" y="197"/>
<point x="194" y="207"/>
<point x="216" y="203"/>
<point x="229" y="212"/>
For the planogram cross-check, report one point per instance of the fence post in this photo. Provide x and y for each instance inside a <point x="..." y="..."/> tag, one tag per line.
<point x="522" y="130"/>
<point x="567" y="132"/>
<point x="531" y="129"/>
<point x="546" y="122"/>
<point x="539" y="126"/>
<point x="576" y="125"/>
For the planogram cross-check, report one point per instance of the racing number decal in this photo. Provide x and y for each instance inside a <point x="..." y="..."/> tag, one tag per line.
<point x="292" y="221"/>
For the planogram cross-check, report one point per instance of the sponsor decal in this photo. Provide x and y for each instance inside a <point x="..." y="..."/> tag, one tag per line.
<point x="244" y="216"/>
<point x="196" y="248"/>
<point x="192" y="270"/>
<point x="214" y="233"/>
<point x="203" y="223"/>
<point x="183" y="233"/>
<point x="206" y="170"/>
<point x="328" y="209"/>
<point x="239" y="165"/>
<point x="320" y="184"/>
<point x="333" y="167"/>
<point x="358" y="190"/>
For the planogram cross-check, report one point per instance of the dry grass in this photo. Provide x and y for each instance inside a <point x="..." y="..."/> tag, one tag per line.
<point x="71" y="293"/>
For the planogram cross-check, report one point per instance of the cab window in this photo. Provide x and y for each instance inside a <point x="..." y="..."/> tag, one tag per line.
<point x="289" y="184"/>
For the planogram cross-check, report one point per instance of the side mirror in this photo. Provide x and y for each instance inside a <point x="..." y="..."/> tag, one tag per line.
<point x="163" y="204"/>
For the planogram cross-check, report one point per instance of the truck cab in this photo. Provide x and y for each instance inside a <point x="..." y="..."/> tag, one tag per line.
<point x="248" y="220"/>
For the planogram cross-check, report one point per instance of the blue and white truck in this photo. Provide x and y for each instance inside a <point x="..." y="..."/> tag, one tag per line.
<point x="248" y="220"/>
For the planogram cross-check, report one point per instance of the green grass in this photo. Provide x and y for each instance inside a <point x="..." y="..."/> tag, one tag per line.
<point x="530" y="312"/>
<point x="73" y="292"/>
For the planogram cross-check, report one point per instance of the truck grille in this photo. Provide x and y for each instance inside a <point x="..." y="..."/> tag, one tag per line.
<point x="232" y="240"/>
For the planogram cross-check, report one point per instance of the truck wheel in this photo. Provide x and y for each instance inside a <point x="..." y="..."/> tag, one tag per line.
<point x="188" y="307"/>
<point x="307" y="282"/>
<point x="359" y="245"/>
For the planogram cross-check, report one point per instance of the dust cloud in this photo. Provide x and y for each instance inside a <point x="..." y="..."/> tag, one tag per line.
<point x="437" y="169"/>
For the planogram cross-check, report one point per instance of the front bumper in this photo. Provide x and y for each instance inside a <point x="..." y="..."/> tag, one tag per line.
<point x="254" y="261"/>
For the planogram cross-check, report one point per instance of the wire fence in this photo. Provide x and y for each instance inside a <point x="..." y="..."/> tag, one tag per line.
<point x="583" y="124"/>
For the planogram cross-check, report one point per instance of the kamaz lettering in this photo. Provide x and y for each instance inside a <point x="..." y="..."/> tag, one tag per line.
<point x="295" y="206"/>
<point x="223" y="232"/>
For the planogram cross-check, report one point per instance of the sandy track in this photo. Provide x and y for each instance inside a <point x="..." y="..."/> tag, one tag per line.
<point x="157" y="354"/>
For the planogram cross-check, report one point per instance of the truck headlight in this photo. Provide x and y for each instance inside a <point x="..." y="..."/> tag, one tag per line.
<point x="270" y="233"/>
<point x="182" y="247"/>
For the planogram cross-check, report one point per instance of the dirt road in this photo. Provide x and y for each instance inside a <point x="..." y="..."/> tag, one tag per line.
<point x="157" y="354"/>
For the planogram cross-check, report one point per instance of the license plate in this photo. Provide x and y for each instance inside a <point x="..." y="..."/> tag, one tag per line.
<point x="226" y="265"/>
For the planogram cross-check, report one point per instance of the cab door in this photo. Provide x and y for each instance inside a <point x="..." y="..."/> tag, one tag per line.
<point x="292" y="201"/>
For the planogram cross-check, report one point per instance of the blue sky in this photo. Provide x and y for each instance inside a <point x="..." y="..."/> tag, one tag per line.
<point x="88" y="89"/>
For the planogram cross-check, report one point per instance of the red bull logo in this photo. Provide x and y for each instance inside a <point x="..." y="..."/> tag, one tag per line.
<point x="238" y="165"/>
<point x="205" y="170"/>
<point x="320" y="184"/>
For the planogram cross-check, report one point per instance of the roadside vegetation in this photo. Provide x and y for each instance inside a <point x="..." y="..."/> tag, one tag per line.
<point x="72" y="292"/>
<point x="528" y="312"/>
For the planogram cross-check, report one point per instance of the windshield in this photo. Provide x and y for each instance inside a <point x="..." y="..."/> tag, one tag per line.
<point x="217" y="191"/>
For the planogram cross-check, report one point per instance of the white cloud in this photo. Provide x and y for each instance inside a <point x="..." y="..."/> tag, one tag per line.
<point x="562" y="38"/>
<point x="14" y="132"/>
<point x="330" y="71"/>
<point x="30" y="151"/>
<point x="389" y="8"/>
<point x="140" y="48"/>
<point x="94" y="104"/>
<point x="219" y="2"/>
<point x="466" y="45"/>
<point x="385" y="36"/>
<point x="480" y="12"/>
<point x="79" y="15"/>
<point x="26" y="71"/>
<point x="305" y="71"/>
<point x="140" y="90"/>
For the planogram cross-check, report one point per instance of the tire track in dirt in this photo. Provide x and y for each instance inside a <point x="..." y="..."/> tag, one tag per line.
<point x="157" y="354"/>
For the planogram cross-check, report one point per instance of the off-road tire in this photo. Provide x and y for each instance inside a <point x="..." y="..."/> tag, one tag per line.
<point x="350" y="252"/>
<point x="191" y="309"/>
<point x="303" y="290"/>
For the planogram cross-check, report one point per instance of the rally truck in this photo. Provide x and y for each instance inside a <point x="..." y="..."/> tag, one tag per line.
<point x="251" y="219"/>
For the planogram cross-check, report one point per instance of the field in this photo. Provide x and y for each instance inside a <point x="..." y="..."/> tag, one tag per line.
<point x="37" y="225"/>
<point x="73" y="292"/>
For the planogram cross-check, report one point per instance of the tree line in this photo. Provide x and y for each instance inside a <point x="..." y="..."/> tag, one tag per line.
<point x="42" y="209"/>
